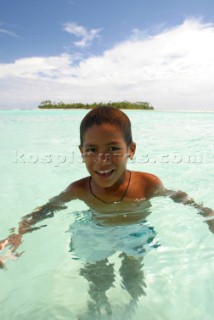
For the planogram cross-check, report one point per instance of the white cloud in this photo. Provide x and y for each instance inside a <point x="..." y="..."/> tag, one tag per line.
<point x="172" y="70"/>
<point x="38" y="68"/>
<point x="87" y="36"/>
<point x="8" y="33"/>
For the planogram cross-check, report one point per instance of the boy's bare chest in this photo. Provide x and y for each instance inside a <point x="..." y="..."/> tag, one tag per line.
<point x="133" y="197"/>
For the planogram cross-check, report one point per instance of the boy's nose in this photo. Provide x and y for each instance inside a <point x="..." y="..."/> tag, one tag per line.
<point x="103" y="157"/>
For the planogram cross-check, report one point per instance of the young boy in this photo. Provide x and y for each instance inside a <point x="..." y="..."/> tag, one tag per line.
<point x="106" y="145"/>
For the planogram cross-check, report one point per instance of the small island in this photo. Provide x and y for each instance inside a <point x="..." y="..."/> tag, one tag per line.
<point x="120" y="105"/>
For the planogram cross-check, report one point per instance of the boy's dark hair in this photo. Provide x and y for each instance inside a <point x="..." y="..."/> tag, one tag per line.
<point x="106" y="114"/>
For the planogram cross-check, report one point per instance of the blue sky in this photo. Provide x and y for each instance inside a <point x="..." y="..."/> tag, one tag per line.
<point x="93" y="50"/>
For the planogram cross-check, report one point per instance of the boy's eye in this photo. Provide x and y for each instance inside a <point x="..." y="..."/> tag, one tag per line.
<point x="112" y="149"/>
<point x="90" y="150"/>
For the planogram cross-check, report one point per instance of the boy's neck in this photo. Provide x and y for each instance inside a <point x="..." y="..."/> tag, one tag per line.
<point x="97" y="191"/>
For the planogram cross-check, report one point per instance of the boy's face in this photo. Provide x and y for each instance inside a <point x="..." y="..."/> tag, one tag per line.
<point x="105" y="153"/>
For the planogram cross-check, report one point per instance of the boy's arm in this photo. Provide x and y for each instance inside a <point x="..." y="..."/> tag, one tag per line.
<point x="157" y="189"/>
<point x="73" y="191"/>
<point x="41" y="213"/>
<point x="182" y="197"/>
<point x="28" y="221"/>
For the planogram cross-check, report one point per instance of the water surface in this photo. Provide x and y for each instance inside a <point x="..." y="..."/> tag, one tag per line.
<point x="173" y="279"/>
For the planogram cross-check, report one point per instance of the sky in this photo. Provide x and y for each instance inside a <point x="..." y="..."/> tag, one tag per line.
<point x="159" y="51"/>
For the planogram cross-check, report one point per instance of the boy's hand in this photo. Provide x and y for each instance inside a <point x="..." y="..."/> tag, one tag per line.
<point x="13" y="241"/>
<point x="3" y="244"/>
<point x="209" y="218"/>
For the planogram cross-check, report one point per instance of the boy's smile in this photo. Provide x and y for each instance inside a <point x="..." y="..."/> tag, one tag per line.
<point x="105" y="153"/>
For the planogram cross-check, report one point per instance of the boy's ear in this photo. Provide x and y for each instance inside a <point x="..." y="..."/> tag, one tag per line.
<point x="132" y="149"/>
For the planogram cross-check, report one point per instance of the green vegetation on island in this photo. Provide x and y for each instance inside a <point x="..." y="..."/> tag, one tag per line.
<point x="120" y="105"/>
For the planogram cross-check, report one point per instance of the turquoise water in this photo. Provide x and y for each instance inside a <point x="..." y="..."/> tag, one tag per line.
<point x="173" y="280"/>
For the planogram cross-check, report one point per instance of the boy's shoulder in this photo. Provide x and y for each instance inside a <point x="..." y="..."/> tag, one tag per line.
<point x="151" y="183"/>
<point x="76" y="190"/>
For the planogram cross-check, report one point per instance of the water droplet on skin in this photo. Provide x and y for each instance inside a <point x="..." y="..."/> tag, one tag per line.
<point x="139" y="199"/>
